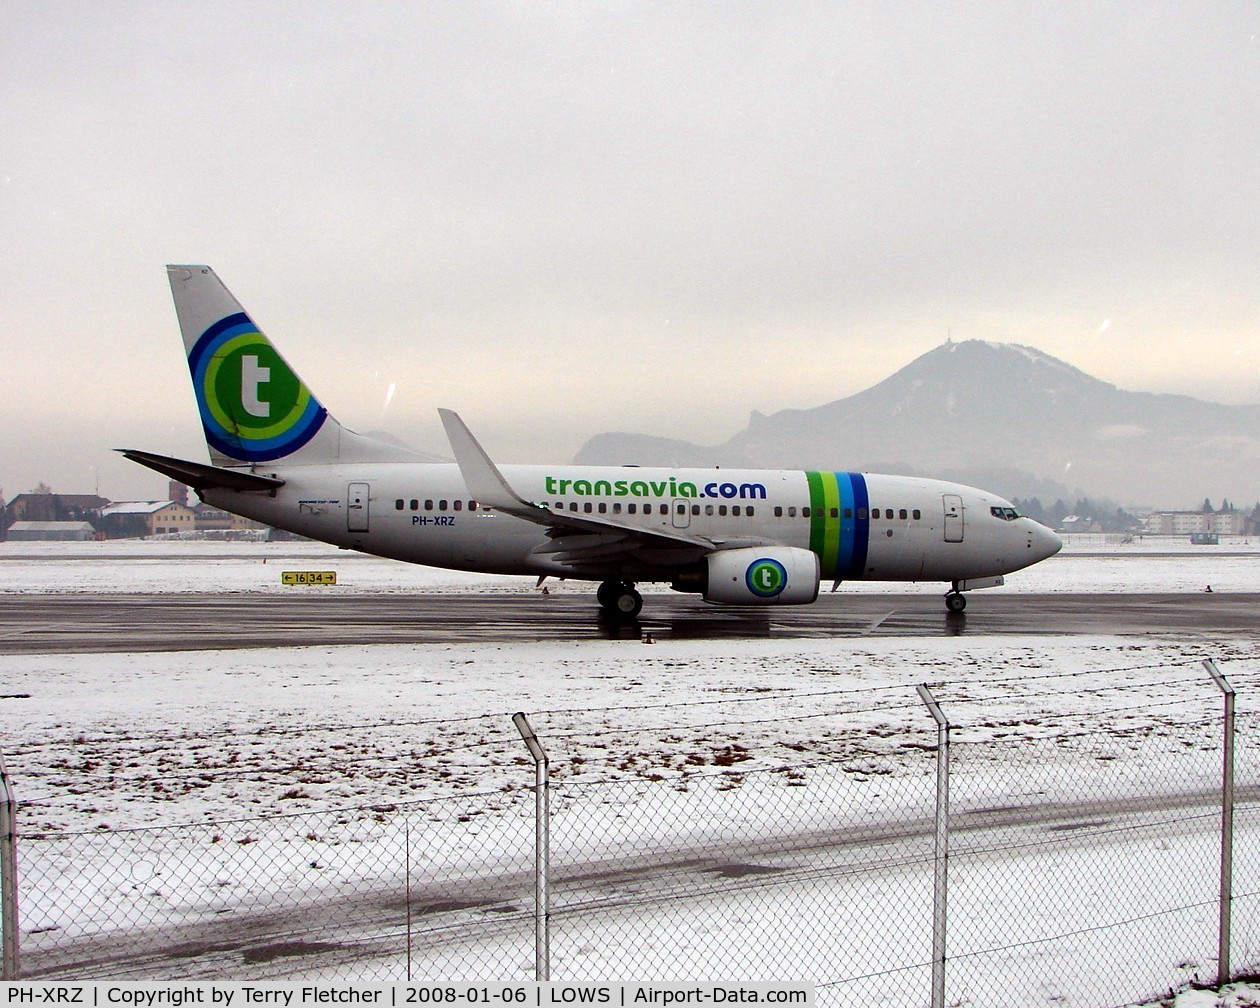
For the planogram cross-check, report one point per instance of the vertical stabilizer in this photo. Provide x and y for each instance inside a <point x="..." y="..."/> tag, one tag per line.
<point x="254" y="408"/>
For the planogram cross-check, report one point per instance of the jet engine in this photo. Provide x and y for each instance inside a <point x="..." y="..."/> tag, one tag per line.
<point x="771" y="575"/>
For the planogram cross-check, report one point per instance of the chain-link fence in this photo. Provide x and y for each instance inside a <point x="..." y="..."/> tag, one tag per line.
<point x="356" y="894"/>
<point x="791" y="838"/>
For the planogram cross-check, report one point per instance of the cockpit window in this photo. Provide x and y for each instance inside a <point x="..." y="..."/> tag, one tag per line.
<point x="1005" y="513"/>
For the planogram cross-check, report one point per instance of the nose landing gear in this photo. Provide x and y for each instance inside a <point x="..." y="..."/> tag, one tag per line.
<point x="955" y="601"/>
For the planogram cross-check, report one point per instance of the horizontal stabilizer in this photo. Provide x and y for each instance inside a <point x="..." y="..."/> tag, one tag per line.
<point x="200" y="476"/>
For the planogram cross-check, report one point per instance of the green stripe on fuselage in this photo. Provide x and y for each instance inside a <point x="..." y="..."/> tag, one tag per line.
<point x="838" y="523"/>
<point x="824" y="531"/>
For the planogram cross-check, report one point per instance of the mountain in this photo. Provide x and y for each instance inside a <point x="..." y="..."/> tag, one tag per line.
<point x="1000" y="415"/>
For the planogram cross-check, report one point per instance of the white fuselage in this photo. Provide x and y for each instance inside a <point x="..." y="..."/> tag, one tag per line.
<point x="874" y="527"/>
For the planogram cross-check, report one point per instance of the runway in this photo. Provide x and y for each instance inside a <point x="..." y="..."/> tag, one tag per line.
<point x="56" y="623"/>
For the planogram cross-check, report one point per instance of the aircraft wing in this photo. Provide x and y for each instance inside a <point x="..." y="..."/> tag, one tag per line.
<point x="576" y="539"/>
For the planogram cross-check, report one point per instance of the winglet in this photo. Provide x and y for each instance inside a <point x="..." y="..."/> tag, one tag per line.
<point x="481" y="475"/>
<point x="491" y="489"/>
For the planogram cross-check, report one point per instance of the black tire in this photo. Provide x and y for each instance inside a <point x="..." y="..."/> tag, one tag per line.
<point x="607" y="592"/>
<point x="955" y="602"/>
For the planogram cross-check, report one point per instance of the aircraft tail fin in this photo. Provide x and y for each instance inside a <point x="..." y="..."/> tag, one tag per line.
<point x="254" y="408"/>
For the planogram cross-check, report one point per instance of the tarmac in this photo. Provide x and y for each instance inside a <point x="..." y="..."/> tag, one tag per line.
<point x="56" y="623"/>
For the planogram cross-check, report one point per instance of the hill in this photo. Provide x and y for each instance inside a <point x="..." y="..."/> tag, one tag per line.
<point x="1004" y="416"/>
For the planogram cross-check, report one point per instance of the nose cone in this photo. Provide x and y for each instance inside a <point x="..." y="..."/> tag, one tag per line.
<point x="1045" y="542"/>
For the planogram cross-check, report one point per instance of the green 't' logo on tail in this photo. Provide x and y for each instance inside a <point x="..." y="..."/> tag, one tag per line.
<point x="253" y="407"/>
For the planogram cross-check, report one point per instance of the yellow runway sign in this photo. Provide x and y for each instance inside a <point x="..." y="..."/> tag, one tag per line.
<point x="308" y="577"/>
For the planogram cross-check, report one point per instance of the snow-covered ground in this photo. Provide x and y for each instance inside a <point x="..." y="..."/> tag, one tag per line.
<point x="713" y="746"/>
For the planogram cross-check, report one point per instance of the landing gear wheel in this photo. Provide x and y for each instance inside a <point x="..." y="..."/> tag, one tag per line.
<point x="618" y="598"/>
<point x="955" y="602"/>
<point x="628" y="603"/>
<point x="606" y="593"/>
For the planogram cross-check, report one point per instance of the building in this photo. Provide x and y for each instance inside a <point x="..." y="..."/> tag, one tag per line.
<point x="1196" y="523"/>
<point x="51" y="531"/>
<point x="213" y="519"/>
<point x="136" y="519"/>
<point x="1080" y="523"/>
<point x="54" y="507"/>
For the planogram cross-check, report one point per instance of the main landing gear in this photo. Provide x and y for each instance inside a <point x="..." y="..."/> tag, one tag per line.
<point x="955" y="601"/>
<point x="620" y="599"/>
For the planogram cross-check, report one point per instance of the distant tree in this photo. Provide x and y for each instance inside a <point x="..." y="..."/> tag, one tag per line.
<point x="43" y="488"/>
<point x="1033" y="508"/>
<point x="1207" y="506"/>
<point x="1122" y="521"/>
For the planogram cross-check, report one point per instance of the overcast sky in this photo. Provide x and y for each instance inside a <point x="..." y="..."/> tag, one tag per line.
<point x="564" y="219"/>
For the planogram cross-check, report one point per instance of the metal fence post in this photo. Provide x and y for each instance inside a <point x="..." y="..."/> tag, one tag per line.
<point x="8" y="877"/>
<point x="542" y="849"/>
<point x="940" y="889"/>
<point x="1227" y="824"/>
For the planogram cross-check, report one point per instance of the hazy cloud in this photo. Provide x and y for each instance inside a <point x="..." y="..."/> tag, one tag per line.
<point x="562" y="219"/>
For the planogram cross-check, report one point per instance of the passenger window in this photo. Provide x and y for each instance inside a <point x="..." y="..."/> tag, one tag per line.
<point x="573" y="505"/>
<point x="587" y="507"/>
<point x="791" y="512"/>
<point x="835" y="512"/>
<point x="647" y="508"/>
<point x="428" y="505"/>
<point x="722" y="510"/>
<point x="617" y="508"/>
<point x="778" y="511"/>
<point x="861" y="514"/>
<point x="735" y="510"/>
<point x="902" y="514"/>
<point x="398" y="504"/>
<point x="708" y="509"/>
<point x="459" y="505"/>
<point x="917" y="514"/>
<point x="874" y="514"/>
<point x="415" y="505"/>
<point x="695" y="509"/>
<point x="472" y="505"/>
<point x="603" y="508"/>
<point x="441" y="505"/>
<point x="632" y="509"/>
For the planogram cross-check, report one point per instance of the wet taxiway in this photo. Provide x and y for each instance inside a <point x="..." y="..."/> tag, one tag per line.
<point x="87" y="623"/>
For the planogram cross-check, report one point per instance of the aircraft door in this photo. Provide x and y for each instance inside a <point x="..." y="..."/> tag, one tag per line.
<point x="357" y="497"/>
<point x="680" y="514"/>
<point x="953" y="518"/>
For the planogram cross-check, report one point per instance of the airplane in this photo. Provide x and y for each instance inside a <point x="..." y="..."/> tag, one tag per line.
<point x="737" y="537"/>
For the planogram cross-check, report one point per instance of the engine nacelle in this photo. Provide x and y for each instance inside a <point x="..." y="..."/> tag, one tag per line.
<point x="771" y="575"/>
